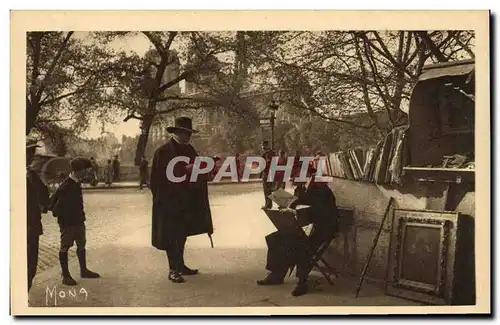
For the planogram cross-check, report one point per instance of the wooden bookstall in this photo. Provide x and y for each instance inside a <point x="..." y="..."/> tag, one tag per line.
<point x="440" y="136"/>
<point x="429" y="164"/>
<point x="436" y="146"/>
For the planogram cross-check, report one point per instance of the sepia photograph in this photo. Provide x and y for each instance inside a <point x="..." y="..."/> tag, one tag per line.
<point x="191" y="161"/>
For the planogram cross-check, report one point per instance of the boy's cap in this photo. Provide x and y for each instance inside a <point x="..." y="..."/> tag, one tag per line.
<point x="80" y="163"/>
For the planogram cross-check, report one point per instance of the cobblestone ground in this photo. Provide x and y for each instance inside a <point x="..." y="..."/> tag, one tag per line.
<point x="112" y="213"/>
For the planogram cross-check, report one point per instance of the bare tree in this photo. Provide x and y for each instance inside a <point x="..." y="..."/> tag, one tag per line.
<point x="336" y="74"/>
<point x="65" y="81"/>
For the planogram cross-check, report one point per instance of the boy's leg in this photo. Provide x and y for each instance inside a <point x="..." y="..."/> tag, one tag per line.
<point x="67" y="238"/>
<point x="81" y="241"/>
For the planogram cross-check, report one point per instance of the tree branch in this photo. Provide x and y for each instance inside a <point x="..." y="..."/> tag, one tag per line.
<point x="465" y="47"/>
<point x="175" y="81"/>
<point x="157" y="44"/>
<point x="53" y="64"/>
<point x="35" y="72"/>
<point x="58" y="98"/>
<point x="432" y="47"/>
<point x="171" y="37"/>
<point x="132" y="116"/>
<point x="386" y="53"/>
<point x="407" y="49"/>
<point x="182" y="107"/>
<point x="331" y="119"/>
<point x="364" y="88"/>
<point x="373" y="68"/>
<point x="167" y="98"/>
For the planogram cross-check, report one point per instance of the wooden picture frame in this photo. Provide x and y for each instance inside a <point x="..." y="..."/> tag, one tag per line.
<point x="422" y="257"/>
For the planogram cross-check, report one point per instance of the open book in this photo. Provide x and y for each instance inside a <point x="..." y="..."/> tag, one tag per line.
<point x="282" y="198"/>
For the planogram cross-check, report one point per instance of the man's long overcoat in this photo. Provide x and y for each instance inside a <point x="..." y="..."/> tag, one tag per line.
<point x="179" y="209"/>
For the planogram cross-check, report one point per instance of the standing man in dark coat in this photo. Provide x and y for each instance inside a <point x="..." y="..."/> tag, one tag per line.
<point x="37" y="199"/>
<point x="116" y="169"/>
<point x="268" y="187"/>
<point x="180" y="209"/>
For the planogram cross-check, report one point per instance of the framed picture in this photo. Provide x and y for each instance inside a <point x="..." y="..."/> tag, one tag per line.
<point x="422" y="259"/>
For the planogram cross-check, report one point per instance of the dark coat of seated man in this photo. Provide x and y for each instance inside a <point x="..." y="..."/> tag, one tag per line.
<point x="287" y="249"/>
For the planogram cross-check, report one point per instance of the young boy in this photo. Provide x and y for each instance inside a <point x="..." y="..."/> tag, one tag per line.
<point x="67" y="206"/>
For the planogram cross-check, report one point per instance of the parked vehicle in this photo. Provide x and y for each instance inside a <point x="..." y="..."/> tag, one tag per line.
<point x="53" y="170"/>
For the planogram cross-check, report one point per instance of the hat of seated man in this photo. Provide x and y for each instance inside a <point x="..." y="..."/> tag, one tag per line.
<point x="183" y="124"/>
<point x="32" y="143"/>
<point x="80" y="163"/>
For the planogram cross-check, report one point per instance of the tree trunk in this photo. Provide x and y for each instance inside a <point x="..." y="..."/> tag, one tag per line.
<point x="32" y="110"/>
<point x="143" y="138"/>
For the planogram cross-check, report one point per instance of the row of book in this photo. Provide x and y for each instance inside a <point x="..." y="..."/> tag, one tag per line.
<point x="382" y="164"/>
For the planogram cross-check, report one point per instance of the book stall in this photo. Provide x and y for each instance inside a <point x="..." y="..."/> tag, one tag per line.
<point x="426" y="170"/>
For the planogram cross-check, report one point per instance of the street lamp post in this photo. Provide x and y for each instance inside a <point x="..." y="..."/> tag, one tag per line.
<point x="273" y="106"/>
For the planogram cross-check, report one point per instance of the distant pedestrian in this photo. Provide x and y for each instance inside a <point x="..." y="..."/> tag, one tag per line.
<point x="279" y="177"/>
<point x="95" y="167"/>
<point x="297" y="165"/>
<point x="268" y="186"/>
<point x="216" y="168"/>
<point x="116" y="169"/>
<point x="67" y="206"/>
<point x="108" y="173"/>
<point x="143" y="171"/>
<point x="37" y="197"/>
<point x="316" y="162"/>
<point x="239" y="170"/>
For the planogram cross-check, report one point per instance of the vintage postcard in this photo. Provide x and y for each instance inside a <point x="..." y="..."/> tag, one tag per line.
<point x="154" y="141"/>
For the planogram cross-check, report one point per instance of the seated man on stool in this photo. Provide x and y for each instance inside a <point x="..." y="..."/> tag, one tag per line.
<point x="287" y="249"/>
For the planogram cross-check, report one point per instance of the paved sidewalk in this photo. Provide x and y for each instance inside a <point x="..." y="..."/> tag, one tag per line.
<point x="134" y="274"/>
<point x="137" y="277"/>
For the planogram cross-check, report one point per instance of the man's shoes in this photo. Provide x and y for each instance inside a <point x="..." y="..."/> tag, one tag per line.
<point x="300" y="290"/>
<point x="68" y="280"/>
<point x="271" y="279"/>
<point x="187" y="271"/>
<point x="87" y="274"/>
<point x="175" y="277"/>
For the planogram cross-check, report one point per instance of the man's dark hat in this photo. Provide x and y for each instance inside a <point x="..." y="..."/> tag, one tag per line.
<point x="80" y="163"/>
<point x="182" y="124"/>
